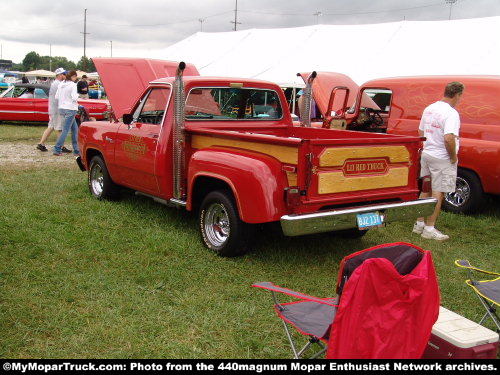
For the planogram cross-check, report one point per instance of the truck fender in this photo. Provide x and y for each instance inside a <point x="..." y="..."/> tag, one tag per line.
<point x="256" y="180"/>
<point x="88" y="151"/>
<point x="480" y="156"/>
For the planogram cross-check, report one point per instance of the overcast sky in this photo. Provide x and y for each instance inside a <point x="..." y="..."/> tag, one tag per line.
<point x="141" y="27"/>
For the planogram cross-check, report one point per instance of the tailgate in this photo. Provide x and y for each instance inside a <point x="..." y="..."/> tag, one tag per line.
<point x="361" y="170"/>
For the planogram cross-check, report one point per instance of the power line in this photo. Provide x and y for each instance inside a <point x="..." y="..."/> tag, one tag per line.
<point x="161" y="24"/>
<point x="341" y="13"/>
<point x="46" y="28"/>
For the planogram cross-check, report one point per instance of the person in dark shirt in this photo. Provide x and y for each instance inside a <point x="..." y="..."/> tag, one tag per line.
<point x="82" y="87"/>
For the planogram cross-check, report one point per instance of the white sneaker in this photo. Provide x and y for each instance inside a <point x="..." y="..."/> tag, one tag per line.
<point x="418" y="228"/>
<point x="434" y="234"/>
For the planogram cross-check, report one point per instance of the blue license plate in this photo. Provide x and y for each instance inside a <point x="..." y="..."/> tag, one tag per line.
<point x="369" y="220"/>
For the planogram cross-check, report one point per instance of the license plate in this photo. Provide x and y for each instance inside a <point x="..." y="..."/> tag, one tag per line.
<point x="369" y="220"/>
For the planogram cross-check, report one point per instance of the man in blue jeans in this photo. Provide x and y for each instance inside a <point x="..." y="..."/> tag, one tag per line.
<point x="69" y="123"/>
<point x="67" y="97"/>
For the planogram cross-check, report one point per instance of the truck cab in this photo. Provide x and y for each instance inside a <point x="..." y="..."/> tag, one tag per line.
<point x="226" y="148"/>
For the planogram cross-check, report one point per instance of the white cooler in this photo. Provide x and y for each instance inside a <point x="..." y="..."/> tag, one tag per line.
<point x="454" y="336"/>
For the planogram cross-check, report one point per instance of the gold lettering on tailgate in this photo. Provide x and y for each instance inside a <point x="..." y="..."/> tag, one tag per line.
<point x="285" y="154"/>
<point x="336" y="182"/>
<point x="336" y="156"/>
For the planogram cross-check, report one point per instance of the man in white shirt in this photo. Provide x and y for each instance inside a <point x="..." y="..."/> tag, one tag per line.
<point x="55" y="120"/>
<point x="440" y="124"/>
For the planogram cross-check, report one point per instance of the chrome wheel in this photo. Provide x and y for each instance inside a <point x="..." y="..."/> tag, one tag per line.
<point x="216" y="224"/>
<point x="461" y="194"/>
<point x="97" y="180"/>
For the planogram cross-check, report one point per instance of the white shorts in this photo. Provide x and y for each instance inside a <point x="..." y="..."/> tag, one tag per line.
<point x="443" y="173"/>
<point x="55" y="121"/>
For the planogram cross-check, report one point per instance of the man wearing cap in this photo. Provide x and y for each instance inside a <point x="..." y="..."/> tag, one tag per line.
<point x="55" y="121"/>
<point x="82" y="87"/>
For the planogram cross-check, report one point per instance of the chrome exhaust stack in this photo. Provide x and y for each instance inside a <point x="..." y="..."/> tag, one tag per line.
<point x="178" y="134"/>
<point x="305" y="101"/>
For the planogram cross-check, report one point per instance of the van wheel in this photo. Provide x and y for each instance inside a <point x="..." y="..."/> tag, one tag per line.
<point x="220" y="226"/>
<point x="468" y="196"/>
<point x="100" y="184"/>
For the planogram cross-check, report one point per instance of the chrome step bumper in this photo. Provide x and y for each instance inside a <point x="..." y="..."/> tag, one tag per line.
<point x="330" y="221"/>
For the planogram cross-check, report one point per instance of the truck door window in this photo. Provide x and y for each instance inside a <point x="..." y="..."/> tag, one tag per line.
<point x="382" y="98"/>
<point x="152" y="108"/>
<point x="228" y="103"/>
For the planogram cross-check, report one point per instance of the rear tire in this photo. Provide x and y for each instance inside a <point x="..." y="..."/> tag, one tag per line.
<point x="221" y="228"/>
<point x="468" y="197"/>
<point x="100" y="184"/>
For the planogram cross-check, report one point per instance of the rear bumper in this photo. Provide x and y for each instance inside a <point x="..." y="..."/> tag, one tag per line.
<point x="330" y="221"/>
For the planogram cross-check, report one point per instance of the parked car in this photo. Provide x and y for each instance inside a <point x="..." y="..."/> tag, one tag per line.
<point x="14" y="108"/>
<point x="198" y="143"/>
<point x="397" y="106"/>
<point x="6" y="80"/>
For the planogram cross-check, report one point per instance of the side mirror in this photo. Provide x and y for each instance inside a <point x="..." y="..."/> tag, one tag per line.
<point x="127" y="118"/>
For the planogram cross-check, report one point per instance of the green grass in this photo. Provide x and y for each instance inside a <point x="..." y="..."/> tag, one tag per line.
<point x="12" y="132"/>
<point x="84" y="278"/>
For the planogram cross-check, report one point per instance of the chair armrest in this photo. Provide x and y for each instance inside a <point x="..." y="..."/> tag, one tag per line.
<point x="462" y="263"/>
<point x="276" y="288"/>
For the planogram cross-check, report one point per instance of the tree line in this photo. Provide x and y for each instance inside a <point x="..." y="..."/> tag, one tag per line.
<point x="33" y="61"/>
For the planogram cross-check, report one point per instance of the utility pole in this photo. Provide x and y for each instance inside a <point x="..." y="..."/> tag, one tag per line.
<point x="201" y="23"/>
<point x="1" y="51"/>
<point x="50" y="57"/>
<point x="317" y="14"/>
<point x="85" y="33"/>
<point x="111" y="47"/>
<point x="236" y="16"/>
<point x="451" y="2"/>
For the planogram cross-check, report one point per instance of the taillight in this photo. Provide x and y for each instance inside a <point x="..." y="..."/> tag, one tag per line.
<point x="292" y="197"/>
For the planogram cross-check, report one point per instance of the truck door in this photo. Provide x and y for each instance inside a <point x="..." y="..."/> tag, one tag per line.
<point x="136" y="146"/>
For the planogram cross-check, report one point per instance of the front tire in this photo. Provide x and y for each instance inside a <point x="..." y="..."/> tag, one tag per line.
<point x="221" y="228"/>
<point x="100" y="184"/>
<point x="468" y="197"/>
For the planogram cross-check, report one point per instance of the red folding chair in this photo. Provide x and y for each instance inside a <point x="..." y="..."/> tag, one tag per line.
<point x="387" y="302"/>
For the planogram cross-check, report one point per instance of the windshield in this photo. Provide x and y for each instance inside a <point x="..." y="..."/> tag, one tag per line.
<point x="226" y="103"/>
<point x="7" y="93"/>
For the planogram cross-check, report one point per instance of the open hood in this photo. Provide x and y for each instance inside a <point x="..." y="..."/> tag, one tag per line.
<point x="125" y="79"/>
<point x="323" y="85"/>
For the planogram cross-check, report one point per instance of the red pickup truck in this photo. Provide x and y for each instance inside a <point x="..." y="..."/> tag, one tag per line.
<point x="227" y="149"/>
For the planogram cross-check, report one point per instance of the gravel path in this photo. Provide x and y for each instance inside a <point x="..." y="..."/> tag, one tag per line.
<point x="26" y="155"/>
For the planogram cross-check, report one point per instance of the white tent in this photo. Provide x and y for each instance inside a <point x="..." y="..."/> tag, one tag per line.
<point x="40" y="73"/>
<point x="363" y="52"/>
